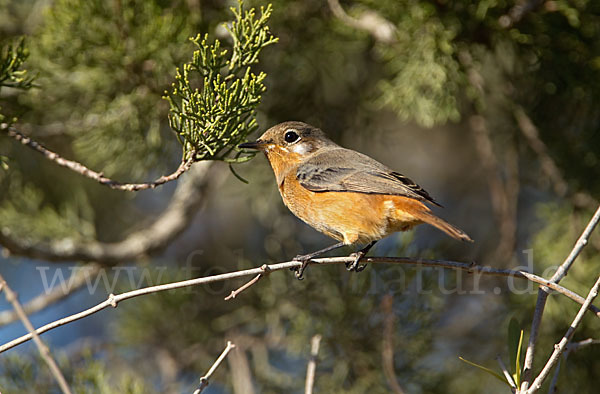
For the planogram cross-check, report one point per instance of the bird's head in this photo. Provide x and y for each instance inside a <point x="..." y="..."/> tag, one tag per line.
<point x="289" y="143"/>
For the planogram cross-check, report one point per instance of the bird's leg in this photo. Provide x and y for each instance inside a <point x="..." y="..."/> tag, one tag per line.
<point x="305" y="258"/>
<point x="354" y="266"/>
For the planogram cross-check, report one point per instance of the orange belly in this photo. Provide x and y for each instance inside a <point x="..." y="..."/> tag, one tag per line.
<point x="350" y="217"/>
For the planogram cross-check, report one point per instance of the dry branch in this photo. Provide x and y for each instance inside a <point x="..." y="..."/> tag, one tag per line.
<point x="312" y="364"/>
<point x="204" y="379"/>
<point x="113" y="300"/>
<point x="387" y="346"/>
<point x="504" y="194"/>
<point x="42" y="301"/>
<point x="560" y="273"/>
<point x="571" y="347"/>
<point x="11" y="297"/>
<point x="175" y="218"/>
<point x="86" y="172"/>
<point x="506" y="374"/>
<point x="560" y="347"/>
<point x="372" y="22"/>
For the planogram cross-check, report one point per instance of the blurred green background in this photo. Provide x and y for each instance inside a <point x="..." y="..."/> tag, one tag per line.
<point x="491" y="106"/>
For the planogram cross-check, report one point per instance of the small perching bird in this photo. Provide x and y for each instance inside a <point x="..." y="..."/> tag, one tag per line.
<point x="343" y="193"/>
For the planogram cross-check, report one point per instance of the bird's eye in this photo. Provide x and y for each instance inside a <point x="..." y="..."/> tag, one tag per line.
<point x="291" y="136"/>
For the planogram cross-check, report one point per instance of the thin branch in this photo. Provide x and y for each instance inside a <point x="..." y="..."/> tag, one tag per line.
<point x="532" y="136"/>
<point x="251" y="282"/>
<point x="571" y="347"/>
<point x="204" y="379"/>
<point x="97" y="176"/>
<point x="113" y="300"/>
<point x="548" y="166"/>
<point x="503" y="193"/>
<point x="507" y="374"/>
<point x="387" y="348"/>
<point x="561" y="346"/>
<point x="184" y="203"/>
<point x="76" y="281"/>
<point x="312" y="364"/>
<point x="560" y="273"/>
<point x="42" y="347"/>
<point x="370" y="21"/>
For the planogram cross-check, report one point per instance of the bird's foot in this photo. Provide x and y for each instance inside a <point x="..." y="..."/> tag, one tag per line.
<point x="354" y="265"/>
<point x="299" y="271"/>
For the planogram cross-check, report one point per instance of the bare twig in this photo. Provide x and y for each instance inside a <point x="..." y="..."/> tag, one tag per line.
<point x="174" y="219"/>
<point x="561" y="346"/>
<point x="97" y="176"/>
<point x="571" y="347"/>
<point x="503" y="194"/>
<point x="204" y="379"/>
<point x="76" y="281"/>
<point x="507" y="374"/>
<point x="251" y="282"/>
<point x="312" y="364"/>
<point x="560" y="273"/>
<point x="42" y="347"/>
<point x="113" y="300"/>
<point x="387" y="348"/>
<point x="574" y="346"/>
<point x="548" y="166"/>
<point x="370" y="21"/>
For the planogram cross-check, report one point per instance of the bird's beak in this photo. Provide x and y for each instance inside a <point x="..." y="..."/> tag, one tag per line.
<point x="258" y="145"/>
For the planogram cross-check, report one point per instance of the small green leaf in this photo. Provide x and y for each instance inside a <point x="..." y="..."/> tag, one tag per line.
<point x="517" y="375"/>
<point x="485" y="369"/>
<point x="513" y="341"/>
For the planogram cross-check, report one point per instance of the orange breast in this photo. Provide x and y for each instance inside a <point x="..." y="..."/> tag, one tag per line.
<point x="347" y="216"/>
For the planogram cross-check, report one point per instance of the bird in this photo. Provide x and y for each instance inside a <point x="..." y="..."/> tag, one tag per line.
<point x="343" y="193"/>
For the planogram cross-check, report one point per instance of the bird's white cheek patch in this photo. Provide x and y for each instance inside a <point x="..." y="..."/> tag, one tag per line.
<point x="300" y="149"/>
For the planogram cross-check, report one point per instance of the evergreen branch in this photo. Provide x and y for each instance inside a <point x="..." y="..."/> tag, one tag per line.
<point x="11" y="297"/>
<point x="113" y="300"/>
<point x="11" y="73"/>
<point x="11" y="60"/>
<point x="99" y="177"/>
<point x="211" y="121"/>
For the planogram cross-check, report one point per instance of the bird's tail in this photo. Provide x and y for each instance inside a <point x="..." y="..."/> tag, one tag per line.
<point x="426" y="216"/>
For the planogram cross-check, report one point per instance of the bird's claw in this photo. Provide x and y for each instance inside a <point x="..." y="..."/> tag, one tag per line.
<point x="354" y="265"/>
<point x="299" y="271"/>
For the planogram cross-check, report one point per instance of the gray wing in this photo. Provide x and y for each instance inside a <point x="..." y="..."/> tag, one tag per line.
<point x="345" y="170"/>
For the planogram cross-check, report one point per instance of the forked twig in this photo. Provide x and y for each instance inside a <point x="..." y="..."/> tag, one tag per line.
<point x="560" y="347"/>
<point x="113" y="300"/>
<point x="266" y="270"/>
<point x="543" y="296"/>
